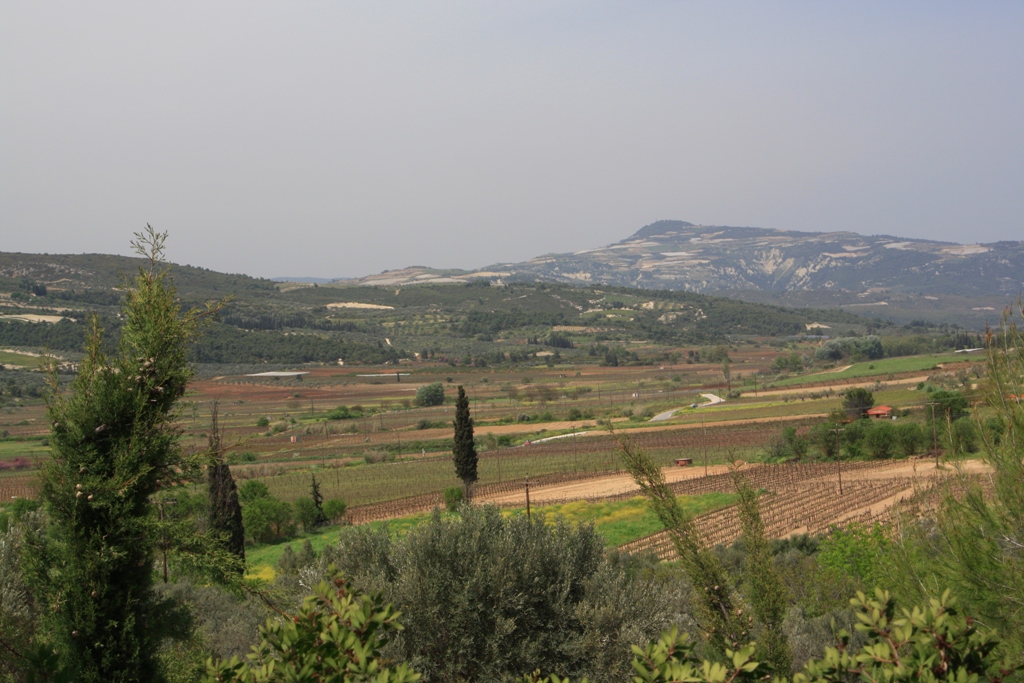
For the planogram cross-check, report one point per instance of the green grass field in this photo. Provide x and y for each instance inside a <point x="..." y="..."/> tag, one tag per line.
<point x="628" y="520"/>
<point x="21" y="360"/>
<point x="881" y="368"/>
<point x="28" y="448"/>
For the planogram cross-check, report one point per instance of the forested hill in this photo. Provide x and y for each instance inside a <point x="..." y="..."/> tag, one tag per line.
<point x="45" y="299"/>
<point x="88" y="277"/>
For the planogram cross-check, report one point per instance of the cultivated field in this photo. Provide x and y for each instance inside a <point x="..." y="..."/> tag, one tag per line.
<point x="388" y="458"/>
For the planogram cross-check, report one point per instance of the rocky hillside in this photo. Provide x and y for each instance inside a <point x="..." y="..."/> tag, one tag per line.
<point x="681" y="256"/>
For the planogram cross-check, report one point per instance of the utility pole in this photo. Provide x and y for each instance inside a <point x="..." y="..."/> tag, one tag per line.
<point x="528" y="497"/>
<point x="704" y="443"/>
<point x="574" y="470"/>
<point x="839" y="459"/>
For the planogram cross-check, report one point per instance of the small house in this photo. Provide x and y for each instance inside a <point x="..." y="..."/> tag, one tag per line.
<point x="880" y="412"/>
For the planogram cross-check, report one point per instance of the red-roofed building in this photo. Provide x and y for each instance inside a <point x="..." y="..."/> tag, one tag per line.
<point x="880" y="412"/>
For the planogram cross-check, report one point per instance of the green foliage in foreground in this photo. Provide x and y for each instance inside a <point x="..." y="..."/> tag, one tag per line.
<point x="933" y="642"/>
<point x="339" y="633"/>
<point x="973" y="543"/>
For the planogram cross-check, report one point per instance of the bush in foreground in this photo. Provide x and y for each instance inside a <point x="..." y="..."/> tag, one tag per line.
<point x="482" y="594"/>
<point x="339" y="634"/>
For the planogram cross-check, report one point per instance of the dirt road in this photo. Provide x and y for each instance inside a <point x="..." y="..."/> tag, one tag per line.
<point x="616" y="484"/>
<point x="601" y="487"/>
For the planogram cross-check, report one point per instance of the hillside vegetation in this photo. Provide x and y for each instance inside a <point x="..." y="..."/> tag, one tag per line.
<point x="46" y="299"/>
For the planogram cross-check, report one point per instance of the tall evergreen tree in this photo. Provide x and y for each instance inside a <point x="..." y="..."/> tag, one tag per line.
<point x="464" y="450"/>
<point x="114" y="445"/>
<point x="318" y="501"/>
<point x="225" y="512"/>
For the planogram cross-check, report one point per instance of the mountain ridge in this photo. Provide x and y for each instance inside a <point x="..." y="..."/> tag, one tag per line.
<point x="881" y="275"/>
<point x="678" y="255"/>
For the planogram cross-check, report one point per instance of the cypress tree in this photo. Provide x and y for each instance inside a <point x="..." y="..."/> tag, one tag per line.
<point x="464" y="450"/>
<point x="114" y="445"/>
<point x="318" y="501"/>
<point x="225" y="512"/>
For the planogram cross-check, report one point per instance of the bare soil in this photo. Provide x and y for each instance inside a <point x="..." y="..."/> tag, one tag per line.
<point x="616" y="484"/>
<point x="601" y="487"/>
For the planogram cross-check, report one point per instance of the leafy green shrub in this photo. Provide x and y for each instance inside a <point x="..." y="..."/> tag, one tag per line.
<point x="22" y="506"/>
<point x="855" y="550"/>
<point x="334" y="509"/>
<point x="881" y="440"/>
<point x="240" y="457"/>
<point x="345" y="413"/>
<point x="797" y="443"/>
<point x="484" y="597"/>
<point x="965" y="437"/>
<point x="306" y="513"/>
<point x="951" y="405"/>
<point x="263" y="422"/>
<point x="453" y="498"/>
<point x="776" y="449"/>
<point x="374" y="457"/>
<point x="251" y="490"/>
<point x="909" y="437"/>
<point x="337" y="635"/>
<point x="933" y="642"/>
<point x="287" y="563"/>
<point x="858" y="401"/>
<point x="430" y="394"/>
<point x="266" y="518"/>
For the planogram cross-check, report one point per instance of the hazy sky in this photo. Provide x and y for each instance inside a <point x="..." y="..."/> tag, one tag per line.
<point x="343" y="138"/>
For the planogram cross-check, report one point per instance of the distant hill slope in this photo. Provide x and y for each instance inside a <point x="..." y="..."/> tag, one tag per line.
<point x="45" y="299"/>
<point x="93" y="273"/>
<point x="678" y="255"/>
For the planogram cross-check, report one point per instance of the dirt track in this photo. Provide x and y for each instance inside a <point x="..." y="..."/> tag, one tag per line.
<point x="601" y="487"/>
<point x="615" y="484"/>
